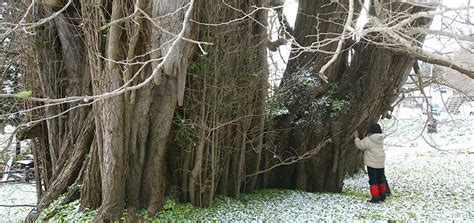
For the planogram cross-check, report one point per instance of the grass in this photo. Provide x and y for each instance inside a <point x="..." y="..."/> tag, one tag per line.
<point x="427" y="188"/>
<point x="427" y="185"/>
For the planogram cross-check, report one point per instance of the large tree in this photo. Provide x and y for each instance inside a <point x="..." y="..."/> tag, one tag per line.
<point x="137" y="100"/>
<point x="331" y="89"/>
<point x="132" y="59"/>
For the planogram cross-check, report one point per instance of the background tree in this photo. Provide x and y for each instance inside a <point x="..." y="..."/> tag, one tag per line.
<point x="10" y="67"/>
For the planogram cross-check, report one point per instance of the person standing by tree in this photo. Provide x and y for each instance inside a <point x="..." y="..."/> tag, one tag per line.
<point x="374" y="159"/>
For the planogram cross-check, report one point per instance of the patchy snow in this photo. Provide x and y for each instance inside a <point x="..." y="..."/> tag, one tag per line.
<point x="427" y="184"/>
<point x="278" y="112"/>
<point x="16" y="194"/>
<point x="455" y="134"/>
<point x="430" y="187"/>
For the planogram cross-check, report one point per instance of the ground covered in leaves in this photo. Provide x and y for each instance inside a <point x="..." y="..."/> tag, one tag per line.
<point x="428" y="184"/>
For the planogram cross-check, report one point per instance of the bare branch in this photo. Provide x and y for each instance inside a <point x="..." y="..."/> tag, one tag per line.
<point x="273" y="45"/>
<point x="419" y="30"/>
<point x="434" y="58"/>
<point x="175" y="41"/>
<point x="29" y="26"/>
<point x="342" y="38"/>
<point x="17" y="205"/>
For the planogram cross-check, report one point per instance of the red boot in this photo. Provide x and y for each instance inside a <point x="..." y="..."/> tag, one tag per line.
<point x="374" y="192"/>
<point x="382" y="191"/>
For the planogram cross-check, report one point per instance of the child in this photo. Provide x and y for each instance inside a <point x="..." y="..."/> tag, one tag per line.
<point x="374" y="159"/>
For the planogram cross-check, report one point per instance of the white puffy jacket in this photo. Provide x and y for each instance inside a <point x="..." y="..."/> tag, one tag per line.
<point x="372" y="145"/>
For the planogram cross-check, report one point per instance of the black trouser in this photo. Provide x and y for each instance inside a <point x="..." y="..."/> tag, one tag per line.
<point x="376" y="175"/>
<point x="387" y="188"/>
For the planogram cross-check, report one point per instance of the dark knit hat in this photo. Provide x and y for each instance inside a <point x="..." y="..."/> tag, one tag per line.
<point x="374" y="128"/>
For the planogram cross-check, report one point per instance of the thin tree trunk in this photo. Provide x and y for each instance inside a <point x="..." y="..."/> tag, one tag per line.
<point x="260" y="102"/>
<point x="110" y="116"/>
<point x="162" y="108"/>
<point x="91" y="190"/>
<point x="38" y="178"/>
<point x="68" y="174"/>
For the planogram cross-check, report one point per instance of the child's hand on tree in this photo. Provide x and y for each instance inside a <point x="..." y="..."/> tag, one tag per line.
<point x="356" y="134"/>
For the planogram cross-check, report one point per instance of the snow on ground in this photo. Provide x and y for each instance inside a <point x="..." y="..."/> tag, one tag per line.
<point x="455" y="133"/>
<point x="428" y="184"/>
<point x="432" y="187"/>
<point x="15" y="194"/>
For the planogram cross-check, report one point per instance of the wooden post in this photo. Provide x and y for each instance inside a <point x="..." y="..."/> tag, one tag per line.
<point x="18" y="148"/>
<point x="7" y="169"/>
<point x="39" y="187"/>
<point x="432" y="125"/>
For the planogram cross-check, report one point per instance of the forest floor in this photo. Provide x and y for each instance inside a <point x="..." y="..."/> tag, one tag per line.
<point x="428" y="184"/>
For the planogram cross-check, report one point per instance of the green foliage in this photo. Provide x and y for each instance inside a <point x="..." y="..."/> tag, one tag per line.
<point x="275" y="106"/>
<point x="178" y="212"/>
<point x="356" y="193"/>
<point x="24" y="94"/>
<point x="238" y="109"/>
<point x="173" y="211"/>
<point x="104" y="32"/>
<point x="337" y="106"/>
<point x="185" y="129"/>
<point x="67" y="213"/>
<point x="50" y="208"/>
<point x="90" y="7"/>
<point x="70" y="212"/>
<point x="197" y="65"/>
<point x="332" y="89"/>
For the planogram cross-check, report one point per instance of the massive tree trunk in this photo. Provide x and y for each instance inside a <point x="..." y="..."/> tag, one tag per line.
<point x="131" y="129"/>
<point x="317" y="129"/>
<point x="124" y="146"/>
<point x="135" y="147"/>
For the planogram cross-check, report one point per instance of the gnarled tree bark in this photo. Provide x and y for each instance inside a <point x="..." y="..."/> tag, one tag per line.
<point x="140" y="147"/>
<point x="359" y="91"/>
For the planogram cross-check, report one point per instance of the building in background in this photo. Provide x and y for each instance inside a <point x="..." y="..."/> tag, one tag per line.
<point x="446" y="91"/>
